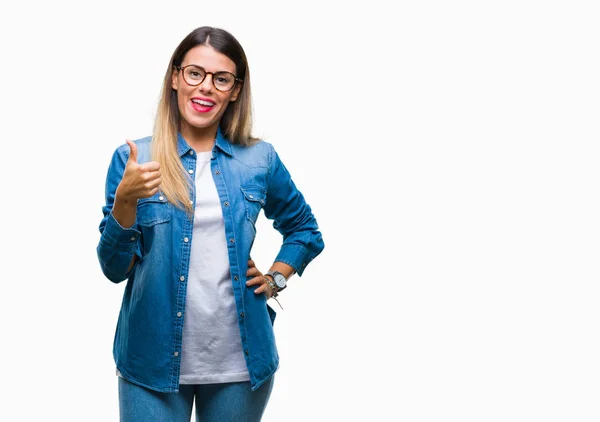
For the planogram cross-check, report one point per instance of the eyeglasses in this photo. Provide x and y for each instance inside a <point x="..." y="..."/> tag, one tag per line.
<point x="194" y="75"/>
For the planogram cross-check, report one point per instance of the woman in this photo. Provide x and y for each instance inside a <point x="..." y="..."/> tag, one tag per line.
<point x="179" y="224"/>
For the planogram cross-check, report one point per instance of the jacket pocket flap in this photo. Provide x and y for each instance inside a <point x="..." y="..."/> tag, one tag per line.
<point x="153" y="210"/>
<point x="254" y="194"/>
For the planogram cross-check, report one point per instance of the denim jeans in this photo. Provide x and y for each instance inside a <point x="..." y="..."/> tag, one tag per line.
<point x="223" y="402"/>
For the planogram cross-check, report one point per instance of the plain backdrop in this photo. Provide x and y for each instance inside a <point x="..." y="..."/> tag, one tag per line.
<point x="449" y="151"/>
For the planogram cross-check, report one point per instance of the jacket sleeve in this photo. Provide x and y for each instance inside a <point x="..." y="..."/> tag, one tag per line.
<point x="292" y="217"/>
<point x="117" y="244"/>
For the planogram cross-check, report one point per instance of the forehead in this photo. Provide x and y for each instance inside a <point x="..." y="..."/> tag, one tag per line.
<point x="209" y="58"/>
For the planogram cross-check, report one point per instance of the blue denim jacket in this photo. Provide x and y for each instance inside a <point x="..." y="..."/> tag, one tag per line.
<point x="148" y="336"/>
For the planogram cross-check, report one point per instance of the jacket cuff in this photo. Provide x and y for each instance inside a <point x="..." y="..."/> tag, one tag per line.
<point x="119" y="237"/>
<point x="296" y="256"/>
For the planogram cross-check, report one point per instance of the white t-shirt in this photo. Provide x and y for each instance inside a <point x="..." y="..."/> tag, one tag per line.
<point x="212" y="350"/>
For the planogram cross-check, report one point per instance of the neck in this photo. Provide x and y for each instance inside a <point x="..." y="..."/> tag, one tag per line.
<point x="200" y="139"/>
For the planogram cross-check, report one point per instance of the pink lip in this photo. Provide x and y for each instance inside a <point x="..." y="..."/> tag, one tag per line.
<point x="200" y="108"/>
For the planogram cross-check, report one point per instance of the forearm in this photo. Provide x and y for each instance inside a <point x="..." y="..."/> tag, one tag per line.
<point x="119" y="243"/>
<point x="117" y="248"/>
<point x="283" y="268"/>
<point x="124" y="210"/>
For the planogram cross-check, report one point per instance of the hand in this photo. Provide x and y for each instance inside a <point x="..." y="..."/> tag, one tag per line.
<point x="139" y="180"/>
<point x="258" y="279"/>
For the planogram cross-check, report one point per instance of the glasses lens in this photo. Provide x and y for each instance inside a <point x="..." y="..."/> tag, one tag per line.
<point x="194" y="75"/>
<point x="223" y="81"/>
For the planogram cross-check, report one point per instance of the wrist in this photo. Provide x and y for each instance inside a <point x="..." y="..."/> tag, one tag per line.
<point x="124" y="211"/>
<point x="278" y="280"/>
<point x="125" y="202"/>
<point x="271" y="284"/>
<point x="123" y="198"/>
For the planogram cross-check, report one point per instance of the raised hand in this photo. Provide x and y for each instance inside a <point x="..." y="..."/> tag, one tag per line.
<point x="139" y="180"/>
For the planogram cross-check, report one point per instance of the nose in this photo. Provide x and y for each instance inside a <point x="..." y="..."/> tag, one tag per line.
<point x="207" y="84"/>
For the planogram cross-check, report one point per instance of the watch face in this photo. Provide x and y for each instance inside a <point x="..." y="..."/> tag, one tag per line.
<point x="279" y="280"/>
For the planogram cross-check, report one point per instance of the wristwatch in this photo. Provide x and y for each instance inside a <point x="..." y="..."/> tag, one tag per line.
<point x="279" y="279"/>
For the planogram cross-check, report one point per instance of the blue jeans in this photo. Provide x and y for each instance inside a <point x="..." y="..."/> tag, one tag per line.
<point x="224" y="402"/>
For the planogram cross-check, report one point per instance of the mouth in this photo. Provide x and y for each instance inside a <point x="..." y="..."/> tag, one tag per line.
<point x="202" y="105"/>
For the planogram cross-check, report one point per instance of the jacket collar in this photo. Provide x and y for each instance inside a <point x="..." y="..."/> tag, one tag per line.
<point x="221" y="142"/>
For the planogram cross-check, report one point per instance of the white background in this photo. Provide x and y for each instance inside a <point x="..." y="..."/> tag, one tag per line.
<point x="449" y="151"/>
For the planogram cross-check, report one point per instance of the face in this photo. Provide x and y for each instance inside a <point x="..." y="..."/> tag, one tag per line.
<point x="202" y="106"/>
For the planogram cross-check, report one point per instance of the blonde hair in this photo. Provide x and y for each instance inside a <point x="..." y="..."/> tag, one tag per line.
<point x="236" y="122"/>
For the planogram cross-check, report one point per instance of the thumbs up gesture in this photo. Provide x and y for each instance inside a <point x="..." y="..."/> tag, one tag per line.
<point x="139" y="180"/>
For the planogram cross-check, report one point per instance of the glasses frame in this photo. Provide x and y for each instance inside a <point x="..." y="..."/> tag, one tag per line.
<point x="206" y="73"/>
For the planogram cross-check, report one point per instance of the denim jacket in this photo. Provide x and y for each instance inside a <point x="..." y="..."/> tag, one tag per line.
<point x="148" y="336"/>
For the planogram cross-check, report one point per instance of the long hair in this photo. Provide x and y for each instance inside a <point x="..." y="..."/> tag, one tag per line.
<point x="236" y="122"/>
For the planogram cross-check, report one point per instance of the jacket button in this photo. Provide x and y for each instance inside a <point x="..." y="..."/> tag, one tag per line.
<point x="217" y="172"/>
<point x="182" y="278"/>
<point x="226" y="203"/>
<point x="245" y="351"/>
<point x="191" y="171"/>
<point x="178" y="314"/>
<point x="242" y="314"/>
<point x="186" y="240"/>
<point x="176" y="354"/>
<point x="236" y="277"/>
<point x="232" y="240"/>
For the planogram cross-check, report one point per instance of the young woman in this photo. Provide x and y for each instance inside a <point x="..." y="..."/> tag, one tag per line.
<point x="179" y="224"/>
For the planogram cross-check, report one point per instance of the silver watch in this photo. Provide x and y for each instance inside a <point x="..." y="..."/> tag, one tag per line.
<point x="279" y="279"/>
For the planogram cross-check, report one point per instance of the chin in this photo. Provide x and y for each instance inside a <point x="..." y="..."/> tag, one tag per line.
<point x="198" y="122"/>
<point x="201" y="122"/>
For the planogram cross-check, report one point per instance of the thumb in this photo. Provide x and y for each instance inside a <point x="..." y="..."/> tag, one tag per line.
<point x="133" y="151"/>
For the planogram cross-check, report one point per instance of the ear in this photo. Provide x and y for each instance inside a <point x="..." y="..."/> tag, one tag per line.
<point x="175" y="79"/>
<point x="236" y="92"/>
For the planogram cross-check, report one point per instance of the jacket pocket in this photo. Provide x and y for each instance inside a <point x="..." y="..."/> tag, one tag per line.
<point x="153" y="214"/>
<point x="153" y="210"/>
<point x="254" y="200"/>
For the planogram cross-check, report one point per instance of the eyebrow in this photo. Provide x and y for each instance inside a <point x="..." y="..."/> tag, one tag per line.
<point x="197" y="65"/>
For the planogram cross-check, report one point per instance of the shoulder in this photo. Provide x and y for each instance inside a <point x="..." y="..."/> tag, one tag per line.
<point x="260" y="153"/>
<point x="259" y="146"/>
